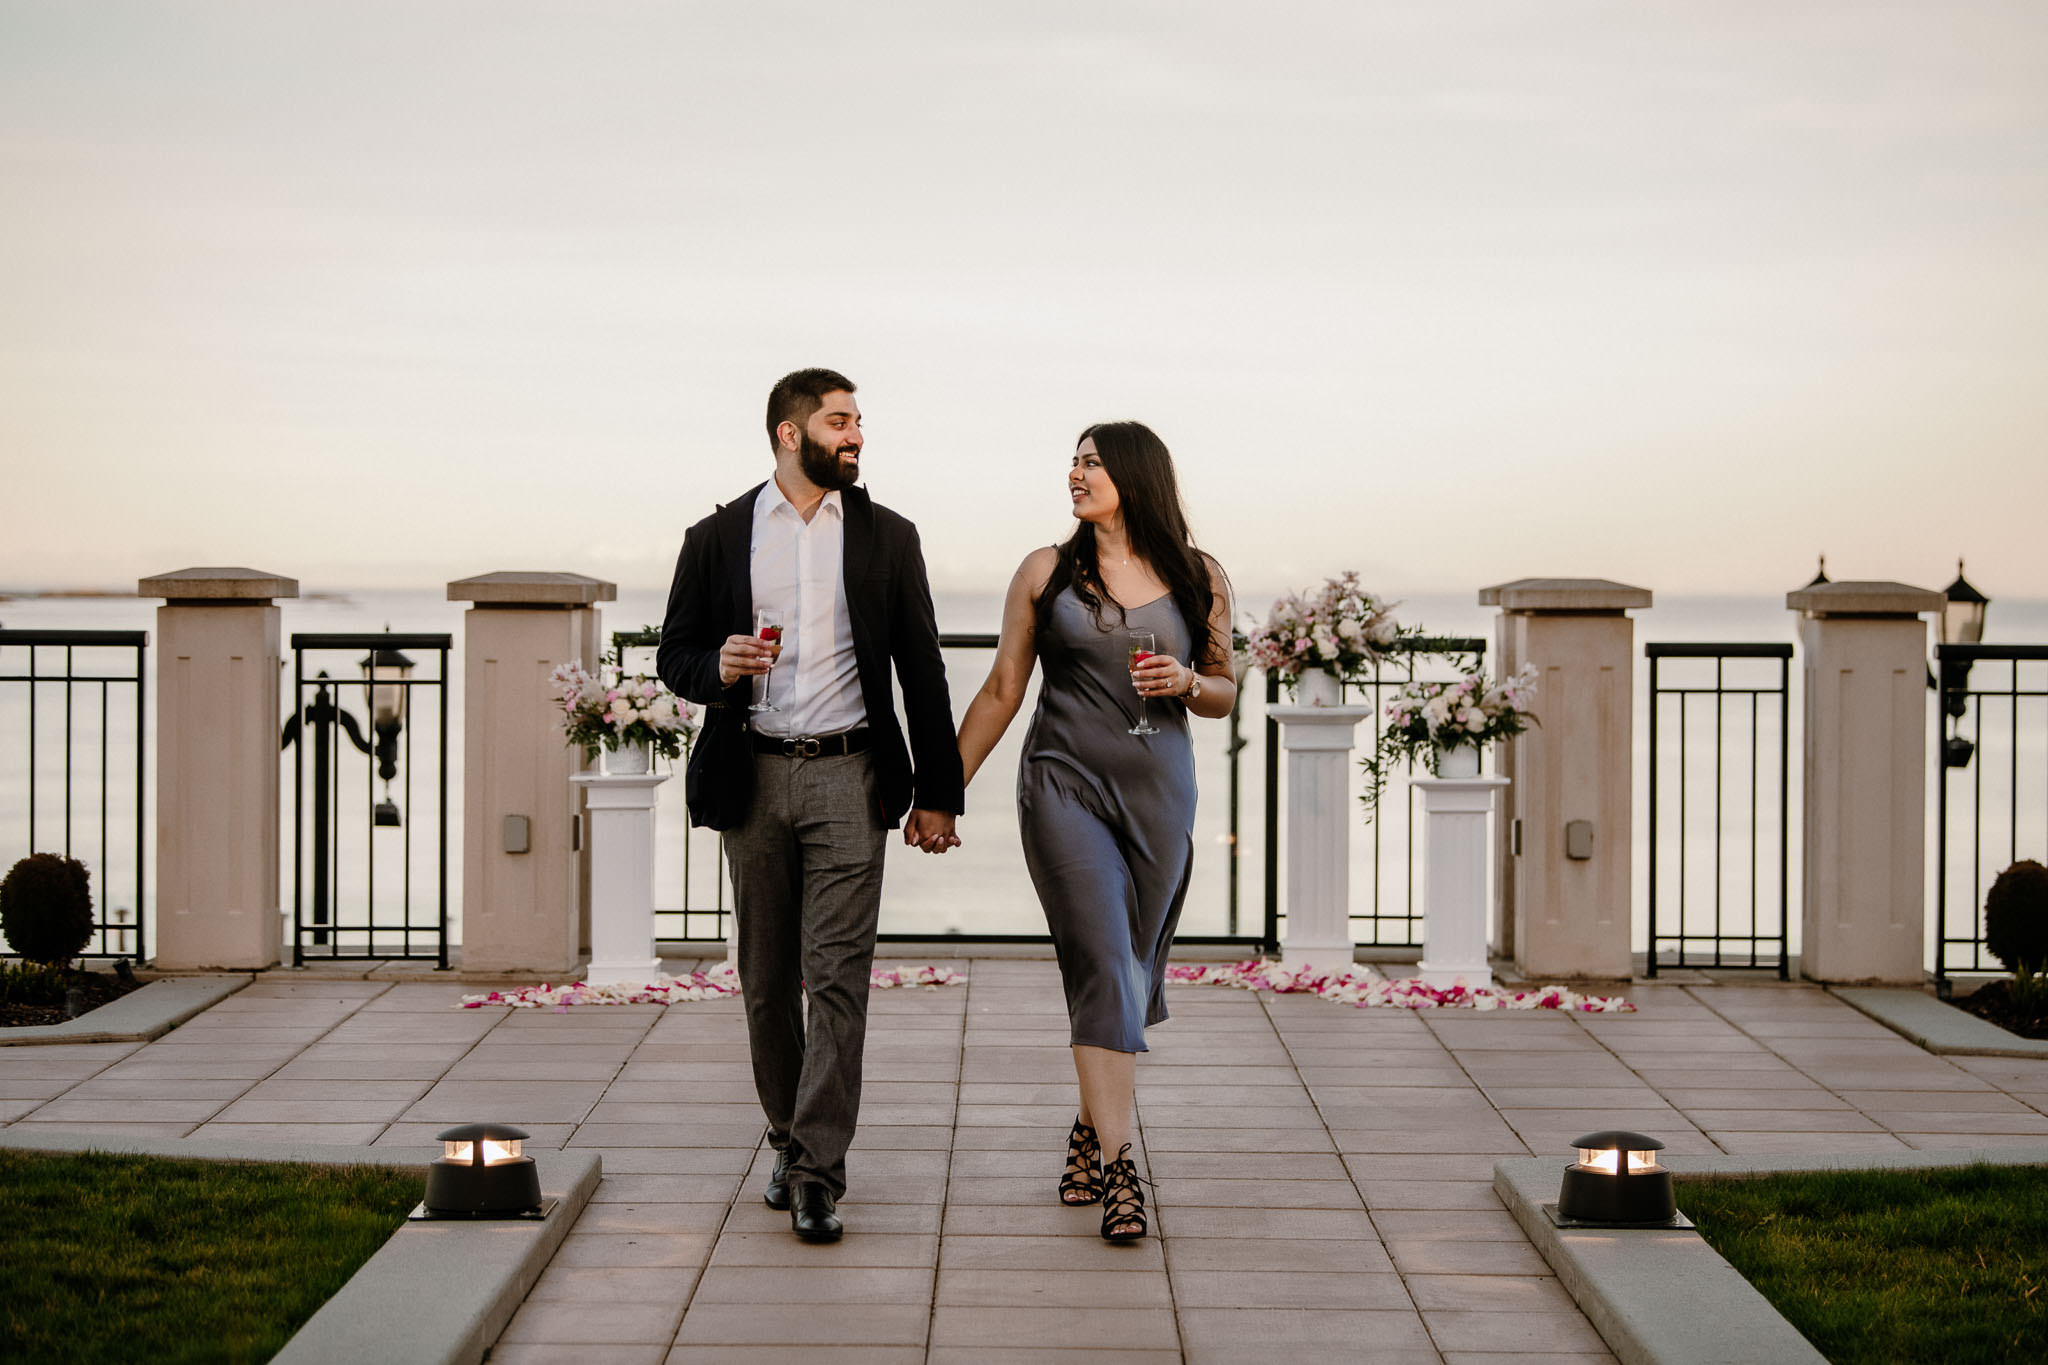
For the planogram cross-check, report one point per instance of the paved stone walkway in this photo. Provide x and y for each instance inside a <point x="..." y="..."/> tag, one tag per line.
<point x="1323" y="1172"/>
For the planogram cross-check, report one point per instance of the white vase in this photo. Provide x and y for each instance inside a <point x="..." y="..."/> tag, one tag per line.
<point x="628" y="760"/>
<point x="1318" y="687"/>
<point x="1462" y="761"/>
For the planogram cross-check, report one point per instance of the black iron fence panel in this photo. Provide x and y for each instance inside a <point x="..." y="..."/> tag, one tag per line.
<point x="1387" y="908"/>
<point x="695" y="908"/>
<point x="1991" y="788"/>
<point x="1719" y="805"/>
<point x="370" y="796"/>
<point x="73" y="757"/>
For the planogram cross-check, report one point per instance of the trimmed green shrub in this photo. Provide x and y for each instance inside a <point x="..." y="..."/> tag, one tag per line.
<point x="2016" y="917"/>
<point x="46" y="908"/>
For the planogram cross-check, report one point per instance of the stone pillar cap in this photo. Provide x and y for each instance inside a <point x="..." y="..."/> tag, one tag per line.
<point x="1864" y="599"/>
<point x="231" y="585"/>
<point x="532" y="588"/>
<point x="1564" y="594"/>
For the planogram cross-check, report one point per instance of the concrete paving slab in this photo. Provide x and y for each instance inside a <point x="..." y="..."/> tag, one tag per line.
<point x="138" y="1016"/>
<point x="1939" y="1027"/>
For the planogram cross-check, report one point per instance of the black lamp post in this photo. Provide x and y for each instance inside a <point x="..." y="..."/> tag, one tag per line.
<point x="482" y="1173"/>
<point x="385" y="672"/>
<point x="1962" y="623"/>
<point x="1617" y="1182"/>
<point x="319" y="721"/>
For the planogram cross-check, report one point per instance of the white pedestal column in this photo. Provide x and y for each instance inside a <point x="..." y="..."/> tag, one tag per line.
<point x="621" y="811"/>
<point x="1320" y="814"/>
<point x="1455" y="855"/>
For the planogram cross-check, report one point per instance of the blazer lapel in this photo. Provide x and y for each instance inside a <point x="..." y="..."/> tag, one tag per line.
<point x="736" y="539"/>
<point x="858" y="547"/>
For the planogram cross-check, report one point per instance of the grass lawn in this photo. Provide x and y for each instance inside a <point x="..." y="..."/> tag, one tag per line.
<point x="1947" y="1265"/>
<point x="115" y="1258"/>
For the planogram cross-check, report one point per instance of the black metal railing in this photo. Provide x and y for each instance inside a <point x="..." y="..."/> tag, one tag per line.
<point x="1749" y="725"/>
<point x="74" y="733"/>
<point x="357" y="888"/>
<point x="704" y="921"/>
<point x="1993" y="746"/>
<point x="1391" y="915"/>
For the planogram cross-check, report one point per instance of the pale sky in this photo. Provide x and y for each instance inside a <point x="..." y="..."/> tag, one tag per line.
<point x="386" y="294"/>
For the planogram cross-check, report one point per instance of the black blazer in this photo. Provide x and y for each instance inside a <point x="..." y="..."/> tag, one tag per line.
<point x="891" y="605"/>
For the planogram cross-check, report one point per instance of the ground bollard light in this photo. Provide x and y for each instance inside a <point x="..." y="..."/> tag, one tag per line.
<point x="1617" y="1180"/>
<point x="482" y="1174"/>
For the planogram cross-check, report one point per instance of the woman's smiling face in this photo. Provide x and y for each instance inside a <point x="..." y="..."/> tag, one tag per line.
<point x="1094" y="495"/>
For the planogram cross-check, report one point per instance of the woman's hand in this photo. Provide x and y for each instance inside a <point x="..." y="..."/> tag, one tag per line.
<point x="1162" y="675"/>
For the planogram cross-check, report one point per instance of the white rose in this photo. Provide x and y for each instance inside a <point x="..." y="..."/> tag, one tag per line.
<point x="1472" y="718"/>
<point x="1350" y="630"/>
<point x="664" y="708"/>
<point x="1383" y="631"/>
<point x="621" y="707"/>
<point x="1325" y="641"/>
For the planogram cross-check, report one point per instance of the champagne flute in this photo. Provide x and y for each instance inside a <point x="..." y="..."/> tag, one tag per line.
<point x="1143" y="647"/>
<point x="768" y="625"/>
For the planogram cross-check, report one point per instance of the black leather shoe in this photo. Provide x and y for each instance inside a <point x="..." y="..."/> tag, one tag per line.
<point x="776" y="1196"/>
<point x="811" y="1213"/>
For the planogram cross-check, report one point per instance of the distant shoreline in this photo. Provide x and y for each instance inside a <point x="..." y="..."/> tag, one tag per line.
<point x="61" y="594"/>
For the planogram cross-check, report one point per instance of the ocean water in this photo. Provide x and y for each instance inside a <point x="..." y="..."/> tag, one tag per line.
<point x="981" y="887"/>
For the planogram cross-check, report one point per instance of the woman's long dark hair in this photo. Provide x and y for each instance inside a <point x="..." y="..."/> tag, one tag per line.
<point x="1137" y="462"/>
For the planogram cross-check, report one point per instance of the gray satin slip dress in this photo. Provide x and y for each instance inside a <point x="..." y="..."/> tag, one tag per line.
<point x="1108" y="817"/>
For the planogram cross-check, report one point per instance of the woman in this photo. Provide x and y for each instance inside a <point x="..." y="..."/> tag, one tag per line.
<point x="1108" y="815"/>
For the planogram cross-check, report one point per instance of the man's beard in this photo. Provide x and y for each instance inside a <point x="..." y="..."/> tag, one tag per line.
<point x="821" y="465"/>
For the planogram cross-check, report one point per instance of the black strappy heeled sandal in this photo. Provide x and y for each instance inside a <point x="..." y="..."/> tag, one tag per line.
<point x="1081" y="1183"/>
<point x="1123" y="1199"/>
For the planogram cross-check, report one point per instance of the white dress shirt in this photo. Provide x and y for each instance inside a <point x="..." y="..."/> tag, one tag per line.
<point x="798" y="568"/>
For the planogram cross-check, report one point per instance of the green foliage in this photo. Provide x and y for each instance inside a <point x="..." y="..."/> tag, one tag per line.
<point x="32" y="983"/>
<point x="46" y="908"/>
<point x="2016" y="917"/>
<point x="1871" y="1266"/>
<point x="131" y="1258"/>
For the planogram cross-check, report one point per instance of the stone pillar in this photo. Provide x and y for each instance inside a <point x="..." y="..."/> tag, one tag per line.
<point x="1864" y="764"/>
<point x="1563" y="915"/>
<point x="1320" y="813"/>
<point x="524" y="911"/>
<point x="218" y="715"/>
<point x="621" y="815"/>
<point x="1455" y="857"/>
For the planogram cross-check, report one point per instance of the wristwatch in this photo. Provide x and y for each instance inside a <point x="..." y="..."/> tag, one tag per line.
<point x="1194" y="687"/>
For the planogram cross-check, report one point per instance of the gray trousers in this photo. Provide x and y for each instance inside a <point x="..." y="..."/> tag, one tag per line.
<point x="807" y="889"/>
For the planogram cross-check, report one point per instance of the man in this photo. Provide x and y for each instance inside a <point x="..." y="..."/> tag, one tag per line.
<point x="805" y="792"/>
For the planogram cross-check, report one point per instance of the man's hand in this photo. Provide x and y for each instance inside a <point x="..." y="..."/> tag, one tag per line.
<point x="931" y="830"/>
<point x="745" y="656"/>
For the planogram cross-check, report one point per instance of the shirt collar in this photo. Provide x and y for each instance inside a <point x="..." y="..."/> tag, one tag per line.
<point x="773" y="500"/>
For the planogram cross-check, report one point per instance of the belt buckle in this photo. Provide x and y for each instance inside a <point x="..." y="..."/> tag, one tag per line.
<point x="800" y="748"/>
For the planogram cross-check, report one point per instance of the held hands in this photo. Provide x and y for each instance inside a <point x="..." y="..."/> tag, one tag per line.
<point x="745" y="656"/>
<point x="1161" y="675"/>
<point x="931" y="830"/>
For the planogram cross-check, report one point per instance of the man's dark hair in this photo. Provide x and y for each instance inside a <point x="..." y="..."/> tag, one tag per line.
<point x="798" y="395"/>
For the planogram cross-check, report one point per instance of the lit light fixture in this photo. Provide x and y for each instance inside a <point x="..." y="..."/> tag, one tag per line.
<point x="483" y="1174"/>
<point x="1617" y="1182"/>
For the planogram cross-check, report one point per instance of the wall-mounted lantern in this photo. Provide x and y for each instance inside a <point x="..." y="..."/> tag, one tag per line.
<point x="385" y="672"/>
<point x="1962" y="623"/>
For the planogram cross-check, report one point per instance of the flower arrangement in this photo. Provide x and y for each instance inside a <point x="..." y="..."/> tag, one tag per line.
<point x="1426" y="718"/>
<point x="612" y="712"/>
<point x="1342" y="629"/>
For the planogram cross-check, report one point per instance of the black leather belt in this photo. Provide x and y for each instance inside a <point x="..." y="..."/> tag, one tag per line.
<point x="821" y="746"/>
